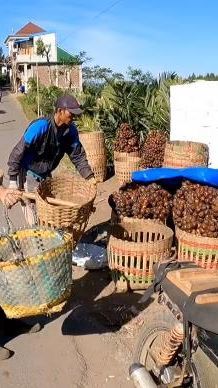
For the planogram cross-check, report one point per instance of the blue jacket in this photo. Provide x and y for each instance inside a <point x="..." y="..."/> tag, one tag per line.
<point x="42" y="147"/>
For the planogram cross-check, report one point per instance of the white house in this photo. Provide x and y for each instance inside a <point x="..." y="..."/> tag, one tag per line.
<point x="25" y="63"/>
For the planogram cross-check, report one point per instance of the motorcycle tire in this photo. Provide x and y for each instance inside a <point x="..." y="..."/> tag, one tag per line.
<point x="160" y="320"/>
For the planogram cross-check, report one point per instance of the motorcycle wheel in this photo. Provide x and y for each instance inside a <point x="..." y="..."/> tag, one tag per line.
<point x="159" y="320"/>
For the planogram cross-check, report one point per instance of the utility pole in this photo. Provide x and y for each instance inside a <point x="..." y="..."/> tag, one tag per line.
<point x="37" y="87"/>
<point x="37" y="83"/>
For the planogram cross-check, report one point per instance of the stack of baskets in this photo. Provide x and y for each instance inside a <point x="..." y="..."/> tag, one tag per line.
<point x="125" y="164"/>
<point x="71" y="188"/>
<point x="94" y="145"/>
<point x="181" y="154"/>
<point x="133" y="248"/>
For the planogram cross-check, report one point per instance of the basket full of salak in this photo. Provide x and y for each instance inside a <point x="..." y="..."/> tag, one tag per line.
<point x="139" y="235"/>
<point x="195" y="213"/>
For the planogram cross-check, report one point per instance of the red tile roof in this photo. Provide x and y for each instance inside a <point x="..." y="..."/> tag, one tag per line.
<point x="29" y="29"/>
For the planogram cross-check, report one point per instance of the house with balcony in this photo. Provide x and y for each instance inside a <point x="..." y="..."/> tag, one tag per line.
<point x="23" y="62"/>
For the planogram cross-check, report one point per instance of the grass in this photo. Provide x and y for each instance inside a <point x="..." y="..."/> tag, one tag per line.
<point x="28" y="111"/>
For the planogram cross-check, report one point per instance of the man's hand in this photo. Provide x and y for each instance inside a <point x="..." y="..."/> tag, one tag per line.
<point x="9" y="197"/>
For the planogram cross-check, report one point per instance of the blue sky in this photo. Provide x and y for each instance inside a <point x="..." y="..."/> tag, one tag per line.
<point x="155" y="35"/>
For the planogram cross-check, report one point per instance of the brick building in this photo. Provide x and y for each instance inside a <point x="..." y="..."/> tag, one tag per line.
<point x="24" y="63"/>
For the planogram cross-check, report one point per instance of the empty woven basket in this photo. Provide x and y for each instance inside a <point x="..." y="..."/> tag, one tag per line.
<point x="35" y="271"/>
<point x="71" y="188"/>
<point x="134" y="246"/>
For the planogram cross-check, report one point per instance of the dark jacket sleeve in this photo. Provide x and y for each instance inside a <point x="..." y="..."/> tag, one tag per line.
<point x="15" y="159"/>
<point x="77" y="154"/>
<point x="25" y="147"/>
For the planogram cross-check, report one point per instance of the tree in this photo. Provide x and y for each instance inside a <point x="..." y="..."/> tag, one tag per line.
<point x="2" y="57"/>
<point x="96" y="77"/>
<point x="44" y="50"/>
<point x="74" y="60"/>
<point x="138" y="76"/>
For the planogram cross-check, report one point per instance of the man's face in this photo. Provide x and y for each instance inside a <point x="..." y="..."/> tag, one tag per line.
<point x="66" y="117"/>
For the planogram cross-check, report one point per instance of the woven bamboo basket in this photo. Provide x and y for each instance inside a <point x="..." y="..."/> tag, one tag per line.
<point x="124" y="166"/>
<point x="202" y="250"/>
<point x="94" y="145"/>
<point x="133" y="248"/>
<point x="179" y="154"/>
<point x="35" y="271"/>
<point x="120" y="155"/>
<point x="71" y="188"/>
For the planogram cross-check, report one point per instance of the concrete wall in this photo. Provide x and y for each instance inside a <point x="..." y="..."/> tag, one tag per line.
<point x="194" y="115"/>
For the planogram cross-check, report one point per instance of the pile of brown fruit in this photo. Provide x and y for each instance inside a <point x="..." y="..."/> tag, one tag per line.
<point x="152" y="152"/>
<point x="126" y="140"/>
<point x="195" y="209"/>
<point x="139" y="201"/>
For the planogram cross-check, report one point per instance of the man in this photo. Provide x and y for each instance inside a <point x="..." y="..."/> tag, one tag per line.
<point x="42" y="147"/>
<point x="11" y="327"/>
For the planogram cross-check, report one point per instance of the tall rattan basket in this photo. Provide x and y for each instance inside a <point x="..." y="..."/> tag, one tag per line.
<point x="94" y="145"/>
<point x="124" y="166"/>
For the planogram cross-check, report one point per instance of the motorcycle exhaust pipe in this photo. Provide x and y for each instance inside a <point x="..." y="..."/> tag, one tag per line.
<point x="141" y="377"/>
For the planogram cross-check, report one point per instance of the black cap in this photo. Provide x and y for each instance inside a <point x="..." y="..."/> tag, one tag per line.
<point x="70" y="103"/>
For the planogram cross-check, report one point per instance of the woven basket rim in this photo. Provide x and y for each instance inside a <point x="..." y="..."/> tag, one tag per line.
<point x="66" y="238"/>
<point x="90" y="132"/>
<point x="190" y="236"/>
<point x="145" y="222"/>
<point x="185" y="142"/>
<point x="65" y="177"/>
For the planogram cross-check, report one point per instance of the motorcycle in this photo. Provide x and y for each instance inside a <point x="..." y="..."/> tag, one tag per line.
<point x="178" y="343"/>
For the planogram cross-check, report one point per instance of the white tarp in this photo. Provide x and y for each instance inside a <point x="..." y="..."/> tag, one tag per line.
<point x="194" y="115"/>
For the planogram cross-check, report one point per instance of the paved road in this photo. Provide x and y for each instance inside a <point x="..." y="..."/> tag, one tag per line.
<point x="69" y="352"/>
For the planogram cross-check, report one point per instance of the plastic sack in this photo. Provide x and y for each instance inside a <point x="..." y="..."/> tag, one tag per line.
<point x="174" y="176"/>
<point x="90" y="256"/>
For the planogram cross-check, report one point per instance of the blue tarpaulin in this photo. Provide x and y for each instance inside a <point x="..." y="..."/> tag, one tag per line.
<point x="173" y="176"/>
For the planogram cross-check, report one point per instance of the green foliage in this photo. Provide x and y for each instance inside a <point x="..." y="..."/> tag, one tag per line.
<point x="3" y="80"/>
<point x="110" y="99"/>
<point x="87" y="123"/>
<point x="2" y="57"/>
<point x="47" y="97"/>
<point x="43" y="49"/>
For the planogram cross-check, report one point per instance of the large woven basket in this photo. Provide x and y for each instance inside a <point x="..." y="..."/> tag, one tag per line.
<point x="94" y="145"/>
<point x="35" y="272"/>
<point x="133" y="248"/>
<point x="124" y="166"/>
<point x="74" y="189"/>
<point x="202" y="250"/>
<point x="119" y="155"/>
<point x="179" y="154"/>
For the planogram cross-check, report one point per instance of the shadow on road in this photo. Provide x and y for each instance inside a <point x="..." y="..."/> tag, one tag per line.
<point x="94" y="307"/>
<point x="93" y="312"/>
<point x="2" y="112"/>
